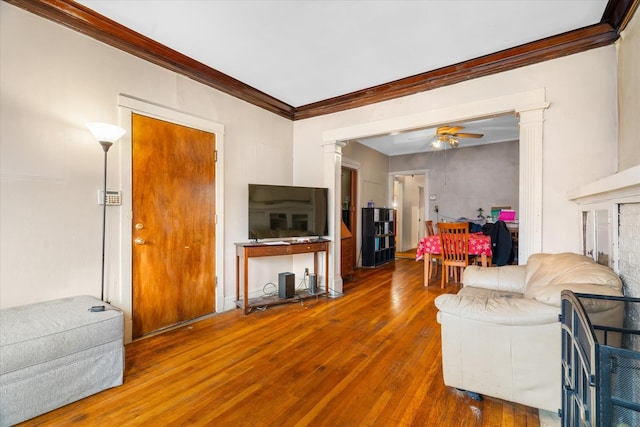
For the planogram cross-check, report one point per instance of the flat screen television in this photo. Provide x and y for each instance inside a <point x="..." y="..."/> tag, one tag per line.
<point x="283" y="211"/>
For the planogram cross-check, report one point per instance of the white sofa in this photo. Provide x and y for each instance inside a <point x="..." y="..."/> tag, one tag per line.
<point x="501" y="332"/>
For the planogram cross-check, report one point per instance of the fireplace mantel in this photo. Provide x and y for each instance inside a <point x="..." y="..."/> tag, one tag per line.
<point x="622" y="187"/>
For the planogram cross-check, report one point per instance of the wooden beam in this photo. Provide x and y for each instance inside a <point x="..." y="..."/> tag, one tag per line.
<point x="619" y="12"/>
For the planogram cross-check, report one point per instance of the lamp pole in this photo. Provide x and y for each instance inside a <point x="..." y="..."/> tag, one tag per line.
<point x="105" y="146"/>
<point x="106" y="135"/>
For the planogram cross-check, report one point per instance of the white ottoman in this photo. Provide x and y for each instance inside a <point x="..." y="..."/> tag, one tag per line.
<point x="55" y="352"/>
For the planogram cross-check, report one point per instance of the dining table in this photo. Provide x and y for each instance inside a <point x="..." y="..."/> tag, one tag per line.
<point x="479" y="244"/>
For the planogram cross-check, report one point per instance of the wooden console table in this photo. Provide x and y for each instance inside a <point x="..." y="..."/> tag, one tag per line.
<point x="247" y="250"/>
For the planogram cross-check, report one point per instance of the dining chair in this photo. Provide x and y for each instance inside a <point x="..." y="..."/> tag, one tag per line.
<point x="428" y="224"/>
<point x="454" y="243"/>
<point x="435" y="258"/>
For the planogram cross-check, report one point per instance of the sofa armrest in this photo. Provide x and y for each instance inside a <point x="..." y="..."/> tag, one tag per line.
<point x="509" y="278"/>
<point x="500" y="311"/>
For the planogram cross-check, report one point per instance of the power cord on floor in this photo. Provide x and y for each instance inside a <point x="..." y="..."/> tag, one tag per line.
<point x="270" y="293"/>
<point x="302" y="285"/>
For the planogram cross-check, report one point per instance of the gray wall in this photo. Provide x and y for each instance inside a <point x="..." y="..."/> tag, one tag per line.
<point x="465" y="179"/>
<point x="373" y="173"/>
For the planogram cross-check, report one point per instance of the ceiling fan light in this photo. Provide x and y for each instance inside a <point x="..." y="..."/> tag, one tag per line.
<point x="453" y="142"/>
<point x="436" y="142"/>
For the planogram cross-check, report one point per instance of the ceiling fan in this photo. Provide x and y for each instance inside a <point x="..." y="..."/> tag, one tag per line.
<point x="448" y="135"/>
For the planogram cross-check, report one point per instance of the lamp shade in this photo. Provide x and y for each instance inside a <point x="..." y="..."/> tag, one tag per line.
<point x="104" y="132"/>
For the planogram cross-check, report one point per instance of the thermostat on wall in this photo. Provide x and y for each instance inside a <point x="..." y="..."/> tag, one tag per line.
<point x="114" y="198"/>
<point x="433" y="196"/>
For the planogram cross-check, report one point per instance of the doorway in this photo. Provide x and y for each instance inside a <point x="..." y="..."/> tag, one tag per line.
<point x="349" y="197"/>
<point x="529" y="107"/>
<point x="408" y="190"/>
<point x="173" y="251"/>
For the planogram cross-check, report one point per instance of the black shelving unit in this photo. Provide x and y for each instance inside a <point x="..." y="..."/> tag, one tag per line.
<point x="378" y="236"/>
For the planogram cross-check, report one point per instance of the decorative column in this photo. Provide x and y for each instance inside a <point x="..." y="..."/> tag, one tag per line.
<point x="530" y="215"/>
<point x="332" y="175"/>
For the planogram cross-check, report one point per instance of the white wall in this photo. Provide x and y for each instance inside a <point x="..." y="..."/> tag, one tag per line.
<point x="581" y="118"/>
<point x="629" y="94"/>
<point x="373" y="175"/>
<point x="54" y="80"/>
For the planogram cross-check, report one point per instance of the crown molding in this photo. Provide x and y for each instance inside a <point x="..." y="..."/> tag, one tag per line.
<point x="84" y="20"/>
<point x="509" y="59"/>
<point x="88" y="22"/>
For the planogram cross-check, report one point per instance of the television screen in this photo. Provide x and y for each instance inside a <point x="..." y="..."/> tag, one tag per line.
<point x="281" y="211"/>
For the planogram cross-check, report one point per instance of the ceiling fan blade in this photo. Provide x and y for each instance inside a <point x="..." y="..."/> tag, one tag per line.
<point x="455" y="129"/>
<point x="469" y="135"/>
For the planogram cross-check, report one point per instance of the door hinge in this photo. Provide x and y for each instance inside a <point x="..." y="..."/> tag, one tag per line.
<point x="215" y="156"/>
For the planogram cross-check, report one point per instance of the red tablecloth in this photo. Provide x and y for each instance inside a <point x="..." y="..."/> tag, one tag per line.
<point x="479" y="244"/>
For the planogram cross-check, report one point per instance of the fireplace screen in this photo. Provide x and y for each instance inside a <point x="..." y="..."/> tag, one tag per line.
<point x="600" y="378"/>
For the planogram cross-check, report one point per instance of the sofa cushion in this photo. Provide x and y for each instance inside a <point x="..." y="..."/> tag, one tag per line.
<point x="508" y="309"/>
<point x="565" y="268"/>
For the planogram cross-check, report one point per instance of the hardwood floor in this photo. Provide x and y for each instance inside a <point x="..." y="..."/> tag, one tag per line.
<point x="369" y="358"/>
<point x="409" y="254"/>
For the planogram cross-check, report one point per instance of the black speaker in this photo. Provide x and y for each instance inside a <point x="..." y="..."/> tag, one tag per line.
<point x="313" y="284"/>
<point x="286" y="285"/>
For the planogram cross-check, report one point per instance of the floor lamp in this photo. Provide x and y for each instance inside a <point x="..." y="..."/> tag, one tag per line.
<point x="106" y="135"/>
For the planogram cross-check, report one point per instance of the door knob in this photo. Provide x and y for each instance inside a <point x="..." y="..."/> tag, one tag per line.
<point x="139" y="226"/>
<point x="139" y="241"/>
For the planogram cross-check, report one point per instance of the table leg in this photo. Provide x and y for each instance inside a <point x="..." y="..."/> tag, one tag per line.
<point x="326" y="269"/>
<point x="315" y="264"/>
<point x="245" y="296"/>
<point x="237" y="277"/>
<point x="483" y="257"/>
<point x="427" y="266"/>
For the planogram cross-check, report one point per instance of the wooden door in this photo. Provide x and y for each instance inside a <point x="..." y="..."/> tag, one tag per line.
<point x="173" y="224"/>
<point x="349" y="220"/>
